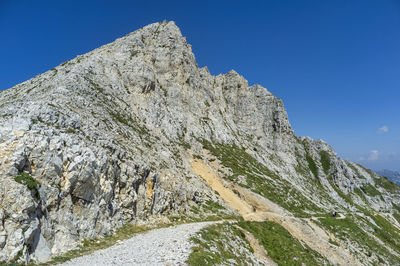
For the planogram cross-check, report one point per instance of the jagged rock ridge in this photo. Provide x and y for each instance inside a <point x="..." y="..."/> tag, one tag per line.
<point x="110" y="136"/>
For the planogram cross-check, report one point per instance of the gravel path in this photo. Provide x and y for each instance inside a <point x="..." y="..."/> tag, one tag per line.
<point x="164" y="246"/>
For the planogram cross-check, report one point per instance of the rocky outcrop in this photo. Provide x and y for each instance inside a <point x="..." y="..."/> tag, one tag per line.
<point x="109" y="138"/>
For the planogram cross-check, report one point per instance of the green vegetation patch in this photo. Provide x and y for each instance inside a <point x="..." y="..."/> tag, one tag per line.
<point x="349" y="230"/>
<point x="261" y="180"/>
<point x="96" y="86"/>
<point x="360" y="193"/>
<point x="396" y="207"/>
<point x="312" y="165"/>
<point x="30" y="89"/>
<point x="310" y="161"/>
<point x="120" y="118"/>
<point x="29" y="181"/>
<point x="281" y="246"/>
<point x="133" y="54"/>
<point x="208" y="211"/>
<point x="127" y="120"/>
<point x="387" y="184"/>
<point x="397" y="217"/>
<point x="213" y="206"/>
<point x="387" y="232"/>
<point x="214" y="246"/>
<point x="325" y="161"/>
<point x="14" y="261"/>
<point x="314" y="184"/>
<point x="205" y="211"/>
<point x="370" y="190"/>
<point x="71" y="130"/>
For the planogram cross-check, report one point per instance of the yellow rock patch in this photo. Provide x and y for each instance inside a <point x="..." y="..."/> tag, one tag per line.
<point x="149" y="190"/>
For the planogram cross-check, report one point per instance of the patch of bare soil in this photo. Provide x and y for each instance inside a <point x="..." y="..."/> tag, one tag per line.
<point x="253" y="207"/>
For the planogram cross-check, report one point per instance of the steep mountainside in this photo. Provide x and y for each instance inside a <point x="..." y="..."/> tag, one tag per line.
<point x="124" y="133"/>
<point x="392" y="175"/>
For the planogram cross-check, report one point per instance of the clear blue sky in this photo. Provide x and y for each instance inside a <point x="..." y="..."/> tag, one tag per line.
<point x="335" y="64"/>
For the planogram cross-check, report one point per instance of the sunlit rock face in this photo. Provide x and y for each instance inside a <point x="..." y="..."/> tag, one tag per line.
<point x="109" y="138"/>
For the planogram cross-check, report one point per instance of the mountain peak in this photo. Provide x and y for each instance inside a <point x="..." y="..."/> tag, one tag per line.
<point x="134" y="131"/>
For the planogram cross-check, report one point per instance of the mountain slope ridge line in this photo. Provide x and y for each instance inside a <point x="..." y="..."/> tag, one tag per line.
<point x="108" y="138"/>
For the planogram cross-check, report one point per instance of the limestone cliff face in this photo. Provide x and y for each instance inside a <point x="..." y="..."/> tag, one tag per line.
<point x="110" y="136"/>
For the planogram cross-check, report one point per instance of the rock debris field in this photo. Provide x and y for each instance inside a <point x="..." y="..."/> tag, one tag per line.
<point x="164" y="246"/>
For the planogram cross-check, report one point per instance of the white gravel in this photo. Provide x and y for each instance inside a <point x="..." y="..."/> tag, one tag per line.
<point x="164" y="246"/>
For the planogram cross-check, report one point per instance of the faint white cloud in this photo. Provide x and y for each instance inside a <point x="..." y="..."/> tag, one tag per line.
<point x="372" y="156"/>
<point x="383" y="129"/>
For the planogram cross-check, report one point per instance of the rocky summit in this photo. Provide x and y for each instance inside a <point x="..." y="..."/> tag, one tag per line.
<point x="135" y="132"/>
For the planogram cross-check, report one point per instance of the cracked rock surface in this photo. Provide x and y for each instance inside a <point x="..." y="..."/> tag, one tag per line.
<point x="109" y="137"/>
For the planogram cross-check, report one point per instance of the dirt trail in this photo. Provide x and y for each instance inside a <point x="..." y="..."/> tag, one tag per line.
<point x="162" y="246"/>
<point x="215" y="182"/>
<point x="253" y="207"/>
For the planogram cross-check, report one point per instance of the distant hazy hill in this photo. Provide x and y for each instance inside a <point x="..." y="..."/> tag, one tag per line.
<point x="392" y="175"/>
